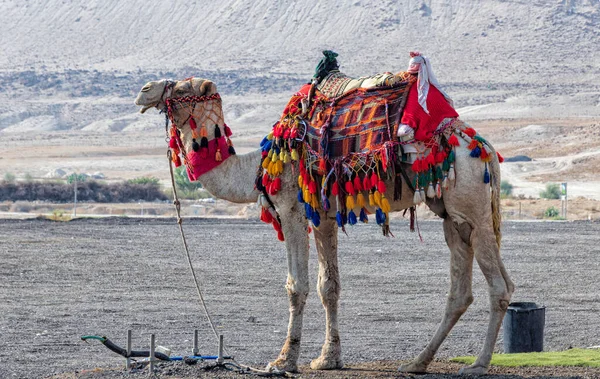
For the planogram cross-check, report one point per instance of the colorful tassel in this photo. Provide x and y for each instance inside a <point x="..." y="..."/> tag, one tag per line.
<point x="446" y="182"/>
<point x="486" y="175"/>
<point x="500" y="157"/>
<point x="381" y="186"/>
<point x="173" y="143"/>
<point x="374" y="180"/>
<point x="350" y="202"/>
<point x="335" y="189"/>
<point x="352" y="218"/>
<point x="227" y="131"/>
<point x="438" y="190"/>
<point x="294" y="155"/>
<point x="417" y="197"/>
<point x="300" y="196"/>
<point x="276" y="186"/>
<point x="308" y="211"/>
<point x="453" y="141"/>
<point x="430" y="191"/>
<point x="377" y="198"/>
<point x="316" y="219"/>
<point x="176" y="160"/>
<point x="193" y="124"/>
<point x="366" y="185"/>
<point x="379" y="217"/>
<point x="195" y="145"/>
<point x="230" y="148"/>
<point x="357" y="184"/>
<point x="476" y="152"/>
<point x="360" y="200"/>
<point x="470" y="132"/>
<point x="349" y="188"/>
<point x="363" y="216"/>
<point x="473" y="144"/>
<point x="451" y="173"/>
<point x="422" y="193"/>
<point x="339" y="219"/>
<point x="218" y="156"/>
<point x="265" y="216"/>
<point x="385" y="205"/>
<point x="371" y="199"/>
<point x="326" y="204"/>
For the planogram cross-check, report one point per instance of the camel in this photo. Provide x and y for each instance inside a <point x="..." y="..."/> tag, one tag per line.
<point x="471" y="224"/>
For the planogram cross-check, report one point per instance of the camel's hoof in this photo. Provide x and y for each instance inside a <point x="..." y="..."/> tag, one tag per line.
<point x="323" y="363"/>
<point x="281" y="365"/>
<point x="413" y="368"/>
<point x="474" y="369"/>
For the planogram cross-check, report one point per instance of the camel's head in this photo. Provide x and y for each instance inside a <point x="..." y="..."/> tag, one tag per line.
<point x="198" y="135"/>
<point x="153" y="94"/>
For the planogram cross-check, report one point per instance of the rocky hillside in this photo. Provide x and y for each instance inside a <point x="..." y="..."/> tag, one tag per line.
<point x="67" y="64"/>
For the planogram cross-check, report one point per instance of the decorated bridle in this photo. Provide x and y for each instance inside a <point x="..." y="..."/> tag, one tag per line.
<point x="196" y="107"/>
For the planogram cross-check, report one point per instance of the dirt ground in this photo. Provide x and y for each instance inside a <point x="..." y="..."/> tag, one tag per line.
<point x="62" y="280"/>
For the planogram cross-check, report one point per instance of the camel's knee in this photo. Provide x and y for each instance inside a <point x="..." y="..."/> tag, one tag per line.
<point x="329" y="290"/>
<point x="297" y="293"/>
<point x="500" y="296"/>
<point x="460" y="304"/>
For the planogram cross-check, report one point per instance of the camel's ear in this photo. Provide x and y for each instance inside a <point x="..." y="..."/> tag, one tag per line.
<point x="208" y="88"/>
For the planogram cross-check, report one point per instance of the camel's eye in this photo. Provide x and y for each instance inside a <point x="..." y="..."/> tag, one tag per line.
<point x="146" y="88"/>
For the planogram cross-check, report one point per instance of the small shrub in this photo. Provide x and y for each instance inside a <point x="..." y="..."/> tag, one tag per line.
<point x="506" y="189"/>
<point x="144" y="180"/>
<point x="552" y="191"/>
<point x="551" y="212"/>
<point x="9" y="177"/>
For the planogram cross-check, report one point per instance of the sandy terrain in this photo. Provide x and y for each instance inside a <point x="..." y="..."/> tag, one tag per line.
<point x="63" y="280"/>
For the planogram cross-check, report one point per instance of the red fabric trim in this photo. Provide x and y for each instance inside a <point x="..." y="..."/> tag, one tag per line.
<point x="423" y="123"/>
<point x="203" y="165"/>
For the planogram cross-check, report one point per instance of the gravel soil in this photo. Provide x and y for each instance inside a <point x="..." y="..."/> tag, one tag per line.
<point x="62" y="280"/>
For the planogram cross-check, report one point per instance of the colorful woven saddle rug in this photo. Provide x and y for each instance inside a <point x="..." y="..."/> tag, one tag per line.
<point x="347" y="150"/>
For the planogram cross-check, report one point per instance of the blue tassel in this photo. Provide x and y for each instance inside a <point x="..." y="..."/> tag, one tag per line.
<point x="316" y="219"/>
<point x="352" y="218"/>
<point x="308" y="210"/>
<point x="363" y="216"/>
<point x="338" y="218"/>
<point x="267" y="146"/>
<point x="300" y="197"/>
<point x="380" y="216"/>
<point x="277" y="149"/>
<point x="476" y="152"/>
<point x="486" y="175"/>
<point x="264" y="141"/>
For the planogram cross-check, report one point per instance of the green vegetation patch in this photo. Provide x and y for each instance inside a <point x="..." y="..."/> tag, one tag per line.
<point x="571" y="357"/>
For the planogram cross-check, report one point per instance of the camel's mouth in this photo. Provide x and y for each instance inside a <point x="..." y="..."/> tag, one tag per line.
<point x="146" y="107"/>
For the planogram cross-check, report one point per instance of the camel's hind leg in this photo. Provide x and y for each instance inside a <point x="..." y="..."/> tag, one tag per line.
<point x="460" y="296"/>
<point x="501" y="288"/>
<point x="329" y="292"/>
<point x="296" y="240"/>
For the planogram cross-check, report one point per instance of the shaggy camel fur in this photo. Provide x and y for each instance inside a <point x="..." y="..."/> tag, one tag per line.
<point x="471" y="227"/>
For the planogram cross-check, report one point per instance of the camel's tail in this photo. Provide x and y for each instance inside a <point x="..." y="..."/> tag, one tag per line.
<point x="495" y="183"/>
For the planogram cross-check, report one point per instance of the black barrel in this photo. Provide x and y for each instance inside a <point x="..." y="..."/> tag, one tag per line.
<point x="524" y="328"/>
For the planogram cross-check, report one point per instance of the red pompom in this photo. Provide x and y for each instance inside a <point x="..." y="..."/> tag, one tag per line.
<point x="470" y="132"/>
<point x="173" y="143"/>
<point x="484" y="153"/>
<point x="265" y="216"/>
<point x="430" y="160"/>
<point x="473" y="144"/>
<point x="349" y="188"/>
<point x="357" y="184"/>
<point x="294" y="133"/>
<point x="500" y="157"/>
<point x="227" y="131"/>
<point x="322" y="165"/>
<point x="277" y="131"/>
<point x="335" y="189"/>
<point x="453" y="141"/>
<point x="177" y="161"/>
<point x="417" y="166"/>
<point x="286" y="133"/>
<point x="381" y="187"/>
<point x="276" y="186"/>
<point x="439" y="157"/>
<point x="312" y="187"/>
<point x="374" y="180"/>
<point x="265" y="180"/>
<point x="264" y="154"/>
<point x="366" y="183"/>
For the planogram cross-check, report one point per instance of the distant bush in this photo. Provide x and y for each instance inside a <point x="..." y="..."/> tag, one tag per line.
<point x="506" y="189"/>
<point x="144" y="180"/>
<point x="9" y="177"/>
<point x="552" y="191"/>
<point x="86" y="191"/>
<point x="551" y="212"/>
<point x="187" y="189"/>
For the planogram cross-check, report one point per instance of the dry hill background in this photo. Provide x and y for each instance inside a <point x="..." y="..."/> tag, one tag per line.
<point x="524" y="72"/>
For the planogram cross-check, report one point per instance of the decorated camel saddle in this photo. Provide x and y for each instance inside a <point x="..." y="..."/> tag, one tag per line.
<point x="351" y="136"/>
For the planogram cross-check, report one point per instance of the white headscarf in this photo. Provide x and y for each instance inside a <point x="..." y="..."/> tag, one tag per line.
<point x="421" y="65"/>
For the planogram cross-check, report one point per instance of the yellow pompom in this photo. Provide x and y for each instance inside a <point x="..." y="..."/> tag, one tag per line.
<point x="286" y="157"/>
<point x="274" y="157"/>
<point x="279" y="165"/>
<point x="377" y="198"/>
<point x="270" y="154"/>
<point x="265" y="163"/>
<point x="300" y="181"/>
<point x="270" y="167"/>
<point x="350" y="202"/>
<point x="306" y="196"/>
<point x="282" y="155"/>
<point x="371" y="199"/>
<point x="360" y="200"/>
<point x="385" y="205"/>
<point x="294" y="155"/>
<point x="270" y="136"/>
<point x="314" y="202"/>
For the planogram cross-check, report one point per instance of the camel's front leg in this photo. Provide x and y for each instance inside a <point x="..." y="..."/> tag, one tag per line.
<point x="329" y="292"/>
<point x="296" y="241"/>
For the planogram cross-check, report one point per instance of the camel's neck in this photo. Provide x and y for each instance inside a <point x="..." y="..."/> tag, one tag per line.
<point x="233" y="180"/>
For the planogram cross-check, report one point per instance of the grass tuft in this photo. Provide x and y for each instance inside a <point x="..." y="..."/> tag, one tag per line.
<point x="571" y="357"/>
